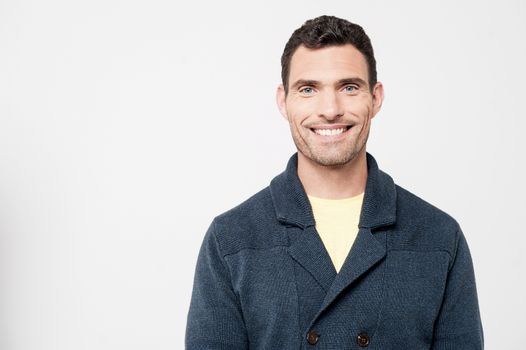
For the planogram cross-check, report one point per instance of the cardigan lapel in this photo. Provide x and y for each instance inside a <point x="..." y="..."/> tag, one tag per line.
<point x="367" y="250"/>
<point x="308" y="250"/>
<point x="293" y="209"/>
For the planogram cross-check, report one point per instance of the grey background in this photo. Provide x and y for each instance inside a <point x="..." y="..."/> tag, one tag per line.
<point x="126" y="126"/>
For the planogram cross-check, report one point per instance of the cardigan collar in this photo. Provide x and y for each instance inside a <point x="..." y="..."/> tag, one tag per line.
<point x="292" y="205"/>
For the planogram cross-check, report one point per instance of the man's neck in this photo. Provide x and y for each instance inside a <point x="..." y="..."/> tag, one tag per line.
<point x="336" y="182"/>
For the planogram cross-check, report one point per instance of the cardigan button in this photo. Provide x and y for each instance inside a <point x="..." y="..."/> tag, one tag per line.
<point x="363" y="339"/>
<point x="312" y="337"/>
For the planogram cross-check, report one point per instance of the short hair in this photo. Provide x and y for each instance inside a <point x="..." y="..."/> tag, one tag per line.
<point x="324" y="31"/>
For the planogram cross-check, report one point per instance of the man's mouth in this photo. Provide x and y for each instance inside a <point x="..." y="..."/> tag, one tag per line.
<point x="325" y="131"/>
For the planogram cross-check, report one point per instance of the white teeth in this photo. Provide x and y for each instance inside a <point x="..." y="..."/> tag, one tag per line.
<point x="328" y="132"/>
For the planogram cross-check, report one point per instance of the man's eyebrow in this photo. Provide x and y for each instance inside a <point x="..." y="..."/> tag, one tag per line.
<point x="357" y="81"/>
<point x="302" y="82"/>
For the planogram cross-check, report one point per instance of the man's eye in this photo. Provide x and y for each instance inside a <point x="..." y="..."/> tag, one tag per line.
<point x="306" y="90"/>
<point x="350" y="88"/>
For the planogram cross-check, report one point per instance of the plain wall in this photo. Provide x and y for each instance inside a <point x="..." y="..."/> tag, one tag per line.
<point x="126" y="126"/>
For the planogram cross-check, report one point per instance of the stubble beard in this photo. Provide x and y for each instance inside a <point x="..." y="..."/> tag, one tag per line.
<point x="331" y="156"/>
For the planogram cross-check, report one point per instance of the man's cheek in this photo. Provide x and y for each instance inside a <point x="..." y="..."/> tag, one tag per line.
<point x="361" y="112"/>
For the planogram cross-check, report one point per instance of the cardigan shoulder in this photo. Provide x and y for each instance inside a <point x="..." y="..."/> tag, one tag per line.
<point x="422" y="226"/>
<point x="252" y="224"/>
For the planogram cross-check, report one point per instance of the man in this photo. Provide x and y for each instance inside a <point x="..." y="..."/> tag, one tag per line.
<point x="333" y="254"/>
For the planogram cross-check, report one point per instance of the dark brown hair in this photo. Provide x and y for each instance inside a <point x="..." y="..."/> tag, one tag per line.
<point x="326" y="31"/>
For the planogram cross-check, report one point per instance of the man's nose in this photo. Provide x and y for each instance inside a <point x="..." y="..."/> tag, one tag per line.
<point x="330" y="106"/>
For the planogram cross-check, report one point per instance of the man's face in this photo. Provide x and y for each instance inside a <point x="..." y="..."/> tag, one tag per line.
<point x="329" y="105"/>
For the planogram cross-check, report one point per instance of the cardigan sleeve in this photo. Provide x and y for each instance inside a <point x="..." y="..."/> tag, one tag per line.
<point x="215" y="320"/>
<point x="458" y="325"/>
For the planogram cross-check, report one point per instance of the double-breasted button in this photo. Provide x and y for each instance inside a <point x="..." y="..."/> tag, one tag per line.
<point x="312" y="337"/>
<point x="363" y="339"/>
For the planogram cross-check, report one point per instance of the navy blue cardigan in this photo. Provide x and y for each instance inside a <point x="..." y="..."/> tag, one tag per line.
<point x="265" y="281"/>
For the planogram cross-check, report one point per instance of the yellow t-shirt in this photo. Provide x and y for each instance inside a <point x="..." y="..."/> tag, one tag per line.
<point x="337" y="224"/>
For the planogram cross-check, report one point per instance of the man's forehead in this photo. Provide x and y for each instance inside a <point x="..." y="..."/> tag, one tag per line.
<point x="327" y="63"/>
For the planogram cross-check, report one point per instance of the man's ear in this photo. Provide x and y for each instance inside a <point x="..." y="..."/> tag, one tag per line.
<point x="378" y="97"/>
<point x="281" y="101"/>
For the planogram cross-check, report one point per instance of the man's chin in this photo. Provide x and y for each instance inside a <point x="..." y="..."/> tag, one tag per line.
<point x="336" y="160"/>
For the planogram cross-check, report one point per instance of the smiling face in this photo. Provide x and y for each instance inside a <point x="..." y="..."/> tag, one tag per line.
<point x="329" y="105"/>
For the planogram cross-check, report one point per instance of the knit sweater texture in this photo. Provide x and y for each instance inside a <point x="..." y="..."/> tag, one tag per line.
<point x="265" y="281"/>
